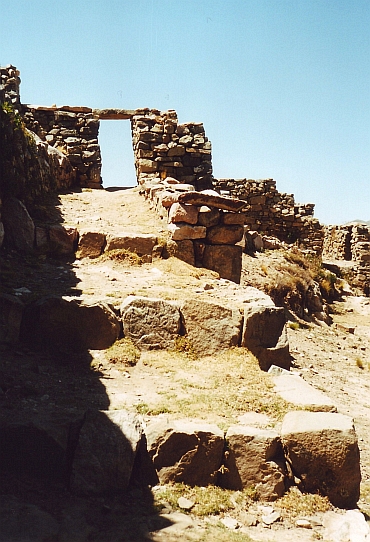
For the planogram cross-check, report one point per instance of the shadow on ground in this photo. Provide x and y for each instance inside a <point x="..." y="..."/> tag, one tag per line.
<point x="44" y="396"/>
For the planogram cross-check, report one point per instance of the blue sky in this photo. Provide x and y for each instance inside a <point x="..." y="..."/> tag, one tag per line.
<point x="282" y="86"/>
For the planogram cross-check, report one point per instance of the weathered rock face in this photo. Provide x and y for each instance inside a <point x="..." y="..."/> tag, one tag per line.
<point x="11" y="311"/>
<point x="150" y="323"/>
<point x="183" y="250"/>
<point x="264" y="334"/>
<point x="323" y="452"/>
<point x="254" y="458"/>
<point x="211" y="327"/>
<point x="105" y="453"/>
<point x="62" y="241"/>
<point x="18" y="225"/>
<point x="225" y="235"/>
<point x="226" y="260"/>
<point x="67" y="324"/>
<point x="183" y="213"/>
<point x="185" y="451"/>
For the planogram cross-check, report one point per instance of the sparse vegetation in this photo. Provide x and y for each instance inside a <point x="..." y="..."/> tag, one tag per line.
<point x="296" y="504"/>
<point x="123" y="352"/>
<point x="210" y="500"/>
<point x="122" y="255"/>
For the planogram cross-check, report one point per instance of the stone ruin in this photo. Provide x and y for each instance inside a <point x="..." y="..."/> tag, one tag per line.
<point x="174" y="171"/>
<point x="348" y="246"/>
<point x="163" y="148"/>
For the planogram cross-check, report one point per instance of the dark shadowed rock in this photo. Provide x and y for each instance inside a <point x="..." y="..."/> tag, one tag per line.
<point x="182" y="451"/>
<point x="225" y="235"/>
<point x="68" y="324"/>
<point x="18" y="225"/>
<point x="11" y="311"/>
<point x="105" y="453"/>
<point x="62" y="241"/>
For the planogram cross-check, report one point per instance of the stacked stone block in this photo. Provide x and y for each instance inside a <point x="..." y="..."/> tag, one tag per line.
<point x="74" y="131"/>
<point x="163" y="147"/>
<point x="9" y="85"/>
<point x="273" y="213"/>
<point x="204" y="232"/>
<point x="337" y="243"/>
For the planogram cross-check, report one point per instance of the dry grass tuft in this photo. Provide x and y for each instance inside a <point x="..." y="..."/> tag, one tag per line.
<point x="123" y="352"/>
<point x="295" y="504"/>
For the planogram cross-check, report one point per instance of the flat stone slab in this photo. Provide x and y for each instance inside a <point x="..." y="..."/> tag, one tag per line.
<point x="220" y="202"/>
<point x="114" y="114"/>
<point x="297" y="391"/>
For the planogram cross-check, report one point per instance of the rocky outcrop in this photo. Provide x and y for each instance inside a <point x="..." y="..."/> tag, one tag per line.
<point x="18" y="225"/>
<point x="323" y="453"/>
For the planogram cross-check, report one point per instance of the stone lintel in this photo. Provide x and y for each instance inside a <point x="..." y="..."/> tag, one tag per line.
<point x="114" y="114"/>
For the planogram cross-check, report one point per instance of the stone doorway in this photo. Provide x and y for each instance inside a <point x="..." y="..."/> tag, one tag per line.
<point x="118" y="169"/>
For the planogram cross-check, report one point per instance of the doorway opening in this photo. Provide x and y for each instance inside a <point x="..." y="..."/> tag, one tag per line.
<point x="118" y="169"/>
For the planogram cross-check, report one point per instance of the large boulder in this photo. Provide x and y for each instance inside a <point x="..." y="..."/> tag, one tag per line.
<point x="183" y="250"/>
<point x="104" y="457"/>
<point x="226" y="260"/>
<point x="69" y="324"/>
<point x="264" y="334"/>
<point x="18" y="225"/>
<point x="11" y="311"/>
<point x="182" y="451"/>
<point x="150" y="323"/>
<point x="323" y="453"/>
<point x="211" y="327"/>
<point x="254" y="458"/>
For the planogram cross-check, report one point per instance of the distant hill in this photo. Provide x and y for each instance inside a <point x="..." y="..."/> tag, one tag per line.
<point x="359" y="222"/>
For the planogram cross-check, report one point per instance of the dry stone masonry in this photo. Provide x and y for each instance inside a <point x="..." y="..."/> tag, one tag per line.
<point x="350" y="243"/>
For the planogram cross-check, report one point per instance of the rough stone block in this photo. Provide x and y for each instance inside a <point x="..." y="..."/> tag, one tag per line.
<point x="264" y="334"/>
<point x="208" y="216"/>
<point x="150" y="323"/>
<point x="18" y="225"/>
<point x="182" y="231"/>
<point x="107" y="445"/>
<point x="183" y="213"/>
<point x="225" y="235"/>
<point x="91" y="245"/>
<point x="254" y="458"/>
<point x="68" y="324"/>
<point x="183" y="250"/>
<point x="134" y="242"/>
<point x="323" y="452"/>
<point x="226" y="260"/>
<point x="187" y="452"/>
<point x="211" y="327"/>
<point x="62" y="240"/>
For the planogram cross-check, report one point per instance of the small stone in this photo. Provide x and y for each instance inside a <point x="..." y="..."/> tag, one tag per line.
<point x="271" y="518"/>
<point x="230" y="523"/>
<point x="303" y="524"/>
<point x="184" y="503"/>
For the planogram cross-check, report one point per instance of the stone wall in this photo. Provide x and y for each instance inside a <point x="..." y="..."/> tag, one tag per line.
<point x="74" y="132"/>
<point x="163" y="147"/>
<point x="350" y="242"/>
<point x="9" y="85"/>
<point x="273" y="213"/>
